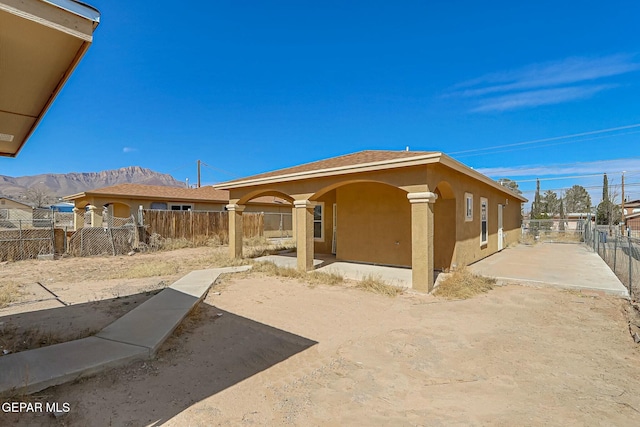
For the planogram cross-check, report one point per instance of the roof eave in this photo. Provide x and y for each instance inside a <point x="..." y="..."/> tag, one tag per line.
<point x="340" y="170"/>
<point x="460" y="167"/>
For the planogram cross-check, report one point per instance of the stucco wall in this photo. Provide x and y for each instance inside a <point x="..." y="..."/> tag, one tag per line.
<point x="468" y="248"/>
<point x="324" y="246"/>
<point x="374" y="224"/>
<point x="10" y="204"/>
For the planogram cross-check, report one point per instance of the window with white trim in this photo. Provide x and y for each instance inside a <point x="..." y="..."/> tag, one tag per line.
<point x="318" y="223"/>
<point x="484" y="231"/>
<point x="468" y="204"/>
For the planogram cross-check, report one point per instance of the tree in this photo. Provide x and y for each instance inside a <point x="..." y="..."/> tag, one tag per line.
<point x="37" y="196"/>
<point x="608" y="211"/>
<point x="535" y="206"/>
<point x="510" y="184"/>
<point x="562" y="215"/>
<point x="550" y="204"/>
<point x="577" y="200"/>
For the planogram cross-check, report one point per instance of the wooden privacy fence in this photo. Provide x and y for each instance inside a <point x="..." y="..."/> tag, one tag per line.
<point x="199" y="225"/>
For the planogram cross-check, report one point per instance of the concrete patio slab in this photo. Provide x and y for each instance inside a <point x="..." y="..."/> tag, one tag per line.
<point x="565" y="265"/>
<point x="288" y="261"/>
<point x="34" y="370"/>
<point x="396" y="276"/>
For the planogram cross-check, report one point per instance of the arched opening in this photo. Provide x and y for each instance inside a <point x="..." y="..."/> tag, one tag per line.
<point x="444" y="227"/>
<point x="363" y="221"/>
<point x="118" y="210"/>
<point x="264" y="193"/>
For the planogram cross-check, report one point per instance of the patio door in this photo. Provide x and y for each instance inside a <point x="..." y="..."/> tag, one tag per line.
<point x="500" y="229"/>
<point x="335" y="228"/>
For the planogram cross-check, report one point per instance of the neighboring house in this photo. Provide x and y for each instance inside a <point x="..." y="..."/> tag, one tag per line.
<point x="422" y="210"/>
<point x="41" y="43"/>
<point x="632" y="207"/>
<point x="632" y="222"/>
<point x="13" y="210"/>
<point x="124" y="200"/>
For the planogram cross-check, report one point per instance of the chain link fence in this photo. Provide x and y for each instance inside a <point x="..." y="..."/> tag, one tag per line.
<point x="278" y="225"/>
<point x="553" y="230"/>
<point x="22" y="239"/>
<point x="117" y="236"/>
<point x="621" y="252"/>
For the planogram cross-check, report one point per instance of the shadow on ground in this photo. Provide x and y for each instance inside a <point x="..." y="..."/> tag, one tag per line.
<point x="51" y="325"/>
<point x="211" y="351"/>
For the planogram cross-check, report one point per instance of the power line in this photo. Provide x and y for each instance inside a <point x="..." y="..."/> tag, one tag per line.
<point x="543" y="145"/>
<point x="556" y="138"/>
<point x="560" y="165"/>
<point x="568" y="177"/>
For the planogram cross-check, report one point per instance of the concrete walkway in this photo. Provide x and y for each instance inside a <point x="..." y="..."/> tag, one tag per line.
<point x="135" y="336"/>
<point x="564" y="265"/>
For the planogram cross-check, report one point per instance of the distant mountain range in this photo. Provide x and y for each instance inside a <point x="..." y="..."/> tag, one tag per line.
<point x="59" y="185"/>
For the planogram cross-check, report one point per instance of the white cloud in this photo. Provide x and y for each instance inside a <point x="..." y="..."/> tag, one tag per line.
<point x="535" y="98"/>
<point x="584" y="168"/>
<point x="129" y="149"/>
<point x="545" y="83"/>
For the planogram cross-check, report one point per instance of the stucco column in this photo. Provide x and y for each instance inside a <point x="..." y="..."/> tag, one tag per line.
<point x="293" y="223"/>
<point x="96" y="215"/>
<point x="235" y="230"/>
<point x="422" y="240"/>
<point x="78" y="218"/>
<point x="304" y="233"/>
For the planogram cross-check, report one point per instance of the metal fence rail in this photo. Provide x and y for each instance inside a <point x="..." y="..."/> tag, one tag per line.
<point x="117" y="236"/>
<point x="553" y="230"/>
<point x="278" y="224"/>
<point x="620" y="252"/>
<point x="26" y="239"/>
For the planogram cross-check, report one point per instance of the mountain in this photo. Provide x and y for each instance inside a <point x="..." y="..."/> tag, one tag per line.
<point x="59" y="185"/>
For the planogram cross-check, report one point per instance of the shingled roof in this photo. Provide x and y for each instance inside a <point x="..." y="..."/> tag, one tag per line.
<point x="160" y="192"/>
<point x="354" y="159"/>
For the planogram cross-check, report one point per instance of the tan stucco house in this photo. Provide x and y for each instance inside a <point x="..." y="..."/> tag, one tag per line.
<point x="14" y="210"/>
<point x="422" y="210"/>
<point x="124" y="200"/>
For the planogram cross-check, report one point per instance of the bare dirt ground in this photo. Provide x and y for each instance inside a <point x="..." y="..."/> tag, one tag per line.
<point x="286" y="353"/>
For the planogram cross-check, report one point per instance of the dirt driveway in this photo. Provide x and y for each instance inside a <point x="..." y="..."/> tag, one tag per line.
<point x="274" y="351"/>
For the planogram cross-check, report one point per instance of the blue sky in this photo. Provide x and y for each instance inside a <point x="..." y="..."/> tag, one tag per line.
<point x="250" y="86"/>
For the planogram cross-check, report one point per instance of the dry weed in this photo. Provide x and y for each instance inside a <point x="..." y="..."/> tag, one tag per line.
<point x="376" y="285"/>
<point x="15" y="341"/>
<point x="9" y="292"/>
<point x="463" y="284"/>
<point x="146" y="268"/>
<point x="312" y="278"/>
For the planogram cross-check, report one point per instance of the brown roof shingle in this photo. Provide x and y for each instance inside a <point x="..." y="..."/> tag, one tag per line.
<point x="204" y="194"/>
<point x="361" y="157"/>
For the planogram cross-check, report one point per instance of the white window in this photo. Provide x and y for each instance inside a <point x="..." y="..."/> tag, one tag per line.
<point x="158" y="205"/>
<point x="484" y="232"/>
<point x="468" y="215"/>
<point x="318" y="222"/>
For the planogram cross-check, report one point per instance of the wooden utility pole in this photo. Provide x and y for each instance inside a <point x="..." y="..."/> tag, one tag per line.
<point x="198" y="173"/>
<point x="623" y="198"/>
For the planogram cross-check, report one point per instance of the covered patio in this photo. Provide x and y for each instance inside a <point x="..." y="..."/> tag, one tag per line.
<point x="389" y="208"/>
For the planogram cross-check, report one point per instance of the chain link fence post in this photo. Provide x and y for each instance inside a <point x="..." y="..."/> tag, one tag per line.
<point x="630" y="267"/>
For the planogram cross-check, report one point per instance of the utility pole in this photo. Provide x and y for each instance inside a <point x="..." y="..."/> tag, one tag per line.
<point x="623" y="198"/>
<point x="198" y="173"/>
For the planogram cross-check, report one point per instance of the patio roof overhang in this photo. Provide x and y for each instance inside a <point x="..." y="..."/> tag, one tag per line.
<point x="417" y="160"/>
<point x="42" y="42"/>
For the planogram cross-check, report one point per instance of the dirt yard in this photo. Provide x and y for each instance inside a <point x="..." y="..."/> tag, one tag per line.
<point x="273" y="351"/>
